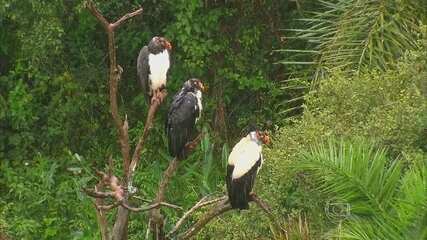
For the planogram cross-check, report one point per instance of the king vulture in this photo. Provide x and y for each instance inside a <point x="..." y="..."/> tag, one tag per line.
<point x="244" y="162"/>
<point x="152" y="67"/>
<point x="185" y="110"/>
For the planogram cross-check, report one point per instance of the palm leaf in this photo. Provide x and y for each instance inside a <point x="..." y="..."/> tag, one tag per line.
<point x="355" y="34"/>
<point x="384" y="201"/>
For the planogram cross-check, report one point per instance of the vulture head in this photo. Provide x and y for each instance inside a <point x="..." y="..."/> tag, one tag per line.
<point x="193" y="85"/>
<point x="158" y="44"/>
<point x="263" y="137"/>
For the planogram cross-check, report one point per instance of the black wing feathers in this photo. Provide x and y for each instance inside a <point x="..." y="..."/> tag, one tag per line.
<point x="241" y="188"/>
<point x="181" y="121"/>
<point x="143" y="69"/>
<point x="230" y="169"/>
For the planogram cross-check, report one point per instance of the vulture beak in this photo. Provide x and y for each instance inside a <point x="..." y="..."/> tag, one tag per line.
<point x="201" y="87"/>
<point x="167" y="44"/>
<point x="265" y="139"/>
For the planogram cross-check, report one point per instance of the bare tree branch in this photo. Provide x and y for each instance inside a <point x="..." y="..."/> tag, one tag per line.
<point x="220" y="208"/>
<point x="112" y="181"/>
<point x="264" y="206"/>
<point x="97" y="194"/>
<point x="92" y="8"/>
<point x="147" y="233"/>
<point x="149" y="207"/>
<point x="142" y="199"/>
<point x="115" y="71"/>
<point x="155" y="214"/>
<point x="108" y="207"/>
<point x="202" y="203"/>
<point x="148" y="125"/>
<point x="100" y="214"/>
<point x="126" y="17"/>
<point x="114" y="77"/>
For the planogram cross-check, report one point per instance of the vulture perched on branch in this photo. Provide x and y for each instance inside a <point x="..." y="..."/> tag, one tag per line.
<point x="152" y="67"/>
<point x="185" y="110"/>
<point x="244" y="162"/>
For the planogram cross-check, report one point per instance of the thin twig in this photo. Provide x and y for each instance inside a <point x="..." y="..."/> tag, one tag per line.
<point x="222" y="207"/>
<point x="97" y="194"/>
<point x="147" y="233"/>
<point x="126" y="17"/>
<point x="264" y="206"/>
<point x="148" y="125"/>
<point x="149" y="207"/>
<point x="108" y="207"/>
<point x="142" y="199"/>
<point x="202" y="203"/>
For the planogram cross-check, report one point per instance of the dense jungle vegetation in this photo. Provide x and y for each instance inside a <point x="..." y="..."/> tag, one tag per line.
<point x="341" y="86"/>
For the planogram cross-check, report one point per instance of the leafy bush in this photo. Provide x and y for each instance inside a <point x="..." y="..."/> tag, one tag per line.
<point x="41" y="199"/>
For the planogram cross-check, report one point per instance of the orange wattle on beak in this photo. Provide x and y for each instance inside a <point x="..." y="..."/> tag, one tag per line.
<point x="168" y="45"/>
<point x="202" y="88"/>
<point x="267" y="140"/>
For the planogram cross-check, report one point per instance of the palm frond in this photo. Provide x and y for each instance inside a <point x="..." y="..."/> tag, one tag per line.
<point x="355" y="174"/>
<point x="384" y="201"/>
<point x="348" y="35"/>
<point x="354" y="34"/>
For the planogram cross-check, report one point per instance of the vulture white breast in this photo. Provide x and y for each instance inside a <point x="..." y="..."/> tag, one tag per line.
<point x="244" y="156"/>
<point x="159" y="65"/>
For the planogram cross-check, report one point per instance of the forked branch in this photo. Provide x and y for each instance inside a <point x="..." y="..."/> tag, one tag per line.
<point x="156" y="217"/>
<point x="114" y="77"/>
<point x="117" y="196"/>
<point x="126" y="17"/>
<point x="202" y="203"/>
<point x="120" y="226"/>
<point x="220" y="208"/>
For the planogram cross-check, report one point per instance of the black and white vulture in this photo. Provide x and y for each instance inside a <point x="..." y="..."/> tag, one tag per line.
<point x="152" y="67"/>
<point x="244" y="162"/>
<point x="185" y="110"/>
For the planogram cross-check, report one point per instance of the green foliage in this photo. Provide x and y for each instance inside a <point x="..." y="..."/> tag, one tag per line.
<point x="386" y="108"/>
<point x="53" y="101"/>
<point x="42" y="200"/>
<point x="355" y="35"/>
<point x="382" y="200"/>
<point x="223" y="55"/>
